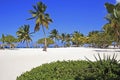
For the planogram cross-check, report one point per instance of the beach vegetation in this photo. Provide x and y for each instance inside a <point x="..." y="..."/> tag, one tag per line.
<point x="8" y="41"/>
<point x="2" y="39"/>
<point x="113" y="18"/>
<point x="24" y="34"/>
<point x="63" y="38"/>
<point x="101" y="69"/>
<point x="109" y="35"/>
<point x="49" y="41"/>
<point x="99" y="39"/>
<point x="68" y="40"/>
<point x="55" y="36"/>
<point x="42" y="19"/>
<point x="77" y="39"/>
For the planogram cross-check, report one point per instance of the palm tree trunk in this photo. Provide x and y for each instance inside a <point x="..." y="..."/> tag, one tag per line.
<point x="27" y="45"/>
<point x="55" y="43"/>
<point x="118" y="35"/>
<point x="10" y="45"/>
<point x="45" y="44"/>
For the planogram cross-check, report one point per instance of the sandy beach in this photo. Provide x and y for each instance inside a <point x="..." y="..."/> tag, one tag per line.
<point x="17" y="61"/>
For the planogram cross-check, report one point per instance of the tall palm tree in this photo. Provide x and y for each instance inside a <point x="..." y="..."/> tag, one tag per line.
<point x="113" y="18"/>
<point x="54" y="35"/>
<point x="24" y="34"/>
<point x="42" y="19"/>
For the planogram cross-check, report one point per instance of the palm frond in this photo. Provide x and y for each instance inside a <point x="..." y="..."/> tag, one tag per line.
<point x="36" y="9"/>
<point x="31" y="18"/>
<point x="109" y="7"/>
<point x="37" y="27"/>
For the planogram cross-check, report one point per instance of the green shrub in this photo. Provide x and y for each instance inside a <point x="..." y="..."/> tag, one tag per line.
<point x="106" y="69"/>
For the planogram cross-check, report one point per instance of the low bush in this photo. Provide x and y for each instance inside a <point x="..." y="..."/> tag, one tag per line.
<point x="106" y="69"/>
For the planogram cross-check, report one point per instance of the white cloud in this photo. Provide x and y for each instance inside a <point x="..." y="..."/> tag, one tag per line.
<point x="118" y="1"/>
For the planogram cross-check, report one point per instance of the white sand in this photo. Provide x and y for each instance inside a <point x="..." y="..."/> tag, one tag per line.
<point x="15" y="62"/>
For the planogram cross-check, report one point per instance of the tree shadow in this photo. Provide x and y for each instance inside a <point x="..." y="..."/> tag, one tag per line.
<point x="107" y="51"/>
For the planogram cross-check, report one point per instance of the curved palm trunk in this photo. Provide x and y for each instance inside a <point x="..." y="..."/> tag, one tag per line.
<point x="45" y="44"/>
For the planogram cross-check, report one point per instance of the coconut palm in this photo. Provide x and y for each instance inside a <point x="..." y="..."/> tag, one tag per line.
<point x="41" y="18"/>
<point x="54" y="35"/>
<point x="99" y="39"/>
<point x="113" y="18"/>
<point x="63" y="38"/>
<point x="77" y="38"/>
<point x="108" y="30"/>
<point x="68" y="40"/>
<point x="24" y="34"/>
<point x="92" y="38"/>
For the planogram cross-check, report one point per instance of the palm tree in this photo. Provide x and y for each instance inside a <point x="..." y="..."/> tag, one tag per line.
<point x="63" y="38"/>
<point x="42" y="19"/>
<point x="54" y="35"/>
<point x="113" y="18"/>
<point x="68" y="40"/>
<point x="24" y="34"/>
<point x="77" y="38"/>
<point x="108" y="30"/>
<point x="94" y="37"/>
<point x="10" y="40"/>
<point x="99" y="39"/>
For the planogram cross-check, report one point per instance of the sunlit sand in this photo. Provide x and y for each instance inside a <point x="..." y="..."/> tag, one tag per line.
<point x="17" y="61"/>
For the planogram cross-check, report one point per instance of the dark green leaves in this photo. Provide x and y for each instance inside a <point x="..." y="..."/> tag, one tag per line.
<point x="42" y="41"/>
<point x="42" y="18"/>
<point x="109" y="7"/>
<point x="75" y="70"/>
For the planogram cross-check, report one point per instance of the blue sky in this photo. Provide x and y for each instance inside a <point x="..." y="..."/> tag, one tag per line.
<point x="68" y="15"/>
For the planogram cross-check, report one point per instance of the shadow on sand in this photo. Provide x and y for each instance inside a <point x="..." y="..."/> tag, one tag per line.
<point x="107" y="50"/>
<point x="9" y="48"/>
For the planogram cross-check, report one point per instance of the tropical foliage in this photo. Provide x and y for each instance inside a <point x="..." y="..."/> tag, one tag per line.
<point x="63" y="38"/>
<point x="9" y="41"/>
<point x="106" y="69"/>
<point x="49" y="41"/>
<point x="55" y="36"/>
<point x="41" y="18"/>
<point x="99" y="39"/>
<point x="68" y="40"/>
<point x="77" y="38"/>
<point x="109" y="34"/>
<point x="113" y="18"/>
<point x="24" y="34"/>
<point x="3" y="41"/>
